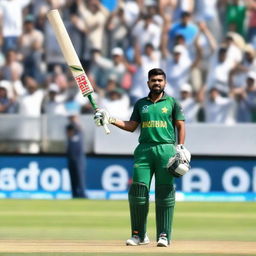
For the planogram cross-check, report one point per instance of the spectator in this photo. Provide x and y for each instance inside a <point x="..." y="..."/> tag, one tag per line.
<point x="189" y="105"/>
<point x="235" y="16"/>
<point x="203" y="48"/>
<point x="40" y="14"/>
<point x="146" y="30"/>
<point x="11" y="66"/>
<point x="63" y="83"/>
<point x="104" y="68"/>
<point x="166" y="10"/>
<point x="31" y="47"/>
<point x="153" y="9"/>
<point x="208" y="46"/>
<point x="50" y="105"/>
<point x="148" y="59"/>
<point x="184" y="27"/>
<point x="117" y="102"/>
<point x="249" y="61"/>
<point x="29" y="106"/>
<point x="76" y="157"/>
<point x="181" y="6"/>
<point x="219" y="109"/>
<point x="246" y="100"/>
<point x="235" y="44"/>
<point x="117" y="29"/>
<point x="52" y="52"/>
<point x="251" y="15"/>
<point x="7" y="105"/>
<point x="94" y="16"/>
<point x="11" y="20"/>
<point x="76" y="30"/>
<point x="111" y="5"/>
<point x="39" y="6"/>
<point x="30" y="103"/>
<point x="131" y="12"/>
<point x="72" y="106"/>
<point x="239" y="74"/>
<point x="207" y="12"/>
<point x="12" y="71"/>
<point x="220" y="68"/>
<point x="237" y="78"/>
<point x="180" y="65"/>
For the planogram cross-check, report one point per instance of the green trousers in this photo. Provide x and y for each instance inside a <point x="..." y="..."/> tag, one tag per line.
<point x="149" y="160"/>
<point x="152" y="159"/>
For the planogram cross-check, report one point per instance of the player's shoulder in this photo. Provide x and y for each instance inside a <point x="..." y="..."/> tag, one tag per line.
<point x="170" y="98"/>
<point x="141" y="101"/>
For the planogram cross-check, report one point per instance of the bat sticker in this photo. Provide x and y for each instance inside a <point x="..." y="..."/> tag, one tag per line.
<point x="75" y="68"/>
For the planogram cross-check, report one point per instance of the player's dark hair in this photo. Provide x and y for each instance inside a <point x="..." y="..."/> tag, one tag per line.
<point x="156" y="72"/>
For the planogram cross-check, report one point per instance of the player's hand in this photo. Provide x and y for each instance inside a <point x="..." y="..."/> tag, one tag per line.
<point x="184" y="153"/>
<point x="101" y="117"/>
<point x="98" y="118"/>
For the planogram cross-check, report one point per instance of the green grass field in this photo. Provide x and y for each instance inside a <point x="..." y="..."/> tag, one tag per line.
<point x="89" y="220"/>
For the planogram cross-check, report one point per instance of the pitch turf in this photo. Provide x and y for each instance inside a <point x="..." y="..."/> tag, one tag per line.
<point x="108" y="221"/>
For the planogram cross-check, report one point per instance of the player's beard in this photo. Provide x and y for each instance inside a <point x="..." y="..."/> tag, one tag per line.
<point x="156" y="90"/>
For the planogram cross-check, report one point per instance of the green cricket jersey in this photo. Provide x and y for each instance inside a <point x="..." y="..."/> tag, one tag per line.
<point x="157" y="119"/>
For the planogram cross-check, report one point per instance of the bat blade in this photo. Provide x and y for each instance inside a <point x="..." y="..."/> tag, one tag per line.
<point x="69" y="52"/>
<point x="71" y="57"/>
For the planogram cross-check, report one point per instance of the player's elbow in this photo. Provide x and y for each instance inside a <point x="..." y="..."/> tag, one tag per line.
<point x="131" y="126"/>
<point x="132" y="129"/>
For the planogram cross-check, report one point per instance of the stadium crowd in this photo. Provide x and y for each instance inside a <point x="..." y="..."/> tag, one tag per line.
<point x="207" y="49"/>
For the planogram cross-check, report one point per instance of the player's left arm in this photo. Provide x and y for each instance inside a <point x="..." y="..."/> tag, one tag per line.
<point x="180" y="148"/>
<point x="179" y="164"/>
<point x="180" y="125"/>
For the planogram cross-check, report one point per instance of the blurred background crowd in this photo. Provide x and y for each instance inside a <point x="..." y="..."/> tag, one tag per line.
<point x="206" y="47"/>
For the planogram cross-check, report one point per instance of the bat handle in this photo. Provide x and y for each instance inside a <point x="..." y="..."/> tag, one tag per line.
<point x="107" y="131"/>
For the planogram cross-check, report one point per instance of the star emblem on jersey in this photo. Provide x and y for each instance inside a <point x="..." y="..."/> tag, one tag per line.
<point x="164" y="110"/>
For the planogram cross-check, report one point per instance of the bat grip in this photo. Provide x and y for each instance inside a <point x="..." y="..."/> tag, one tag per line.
<point x="107" y="131"/>
<point x="92" y="101"/>
<point x="95" y="107"/>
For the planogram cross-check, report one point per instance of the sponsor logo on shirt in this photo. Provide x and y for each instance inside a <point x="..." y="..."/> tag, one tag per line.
<point x="145" y="109"/>
<point x="153" y="124"/>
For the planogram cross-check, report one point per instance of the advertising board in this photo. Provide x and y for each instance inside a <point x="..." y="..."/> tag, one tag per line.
<point x="109" y="177"/>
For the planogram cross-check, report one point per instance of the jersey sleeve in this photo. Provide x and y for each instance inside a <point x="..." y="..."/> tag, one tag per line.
<point x="135" y="113"/>
<point x="178" y="113"/>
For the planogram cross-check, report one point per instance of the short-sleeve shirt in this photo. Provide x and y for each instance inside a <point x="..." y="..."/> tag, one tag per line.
<point x="157" y="119"/>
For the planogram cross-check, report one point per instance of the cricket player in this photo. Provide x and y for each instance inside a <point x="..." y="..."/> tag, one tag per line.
<point x="159" y="116"/>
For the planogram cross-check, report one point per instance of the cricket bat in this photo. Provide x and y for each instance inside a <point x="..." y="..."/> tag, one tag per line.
<point x="71" y="58"/>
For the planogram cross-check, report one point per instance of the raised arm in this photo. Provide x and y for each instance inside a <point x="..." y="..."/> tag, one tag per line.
<point x="198" y="53"/>
<point x="129" y="126"/>
<point x="101" y="117"/>
<point x="209" y="36"/>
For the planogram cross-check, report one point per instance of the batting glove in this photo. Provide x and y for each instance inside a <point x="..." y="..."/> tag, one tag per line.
<point x="101" y="117"/>
<point x="184" y="153"/>
<point x="98" y="118"/>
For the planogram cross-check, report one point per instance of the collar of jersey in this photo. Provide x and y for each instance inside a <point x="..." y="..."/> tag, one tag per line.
<point x="164" y="97"/>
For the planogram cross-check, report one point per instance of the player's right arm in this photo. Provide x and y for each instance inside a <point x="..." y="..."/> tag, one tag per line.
<point x="129" y="126"/>
<point x="102" y="117"/>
